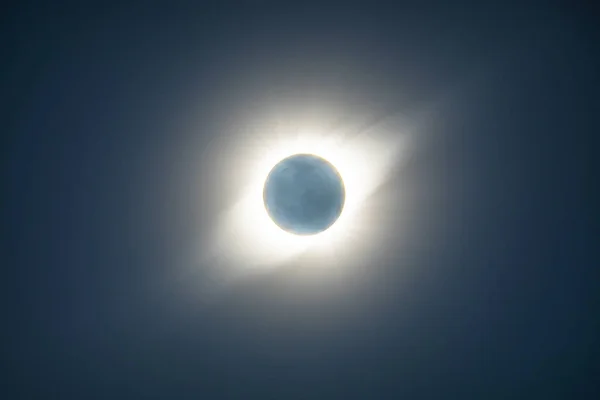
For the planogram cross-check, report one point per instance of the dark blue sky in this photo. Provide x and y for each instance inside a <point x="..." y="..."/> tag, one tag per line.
<point x="501" y="301"/>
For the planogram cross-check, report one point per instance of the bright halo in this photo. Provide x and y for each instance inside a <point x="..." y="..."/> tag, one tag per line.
<point x="247" y="239"/>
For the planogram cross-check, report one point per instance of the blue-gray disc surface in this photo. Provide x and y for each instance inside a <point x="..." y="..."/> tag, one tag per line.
<point x="304" y="194"/>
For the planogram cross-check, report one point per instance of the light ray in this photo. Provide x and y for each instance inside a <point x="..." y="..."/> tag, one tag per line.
<point x="251" y="242"/>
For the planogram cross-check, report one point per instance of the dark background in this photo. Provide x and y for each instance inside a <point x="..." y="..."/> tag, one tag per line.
<point x="504" y="284"/>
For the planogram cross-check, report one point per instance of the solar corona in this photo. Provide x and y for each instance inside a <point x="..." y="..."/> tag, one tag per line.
<point x="305" y="197"/>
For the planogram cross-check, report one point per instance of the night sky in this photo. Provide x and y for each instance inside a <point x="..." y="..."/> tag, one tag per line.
<point x="490" y="291"/>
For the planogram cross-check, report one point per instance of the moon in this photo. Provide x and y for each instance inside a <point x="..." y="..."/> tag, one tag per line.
<point x="304" y="194"/>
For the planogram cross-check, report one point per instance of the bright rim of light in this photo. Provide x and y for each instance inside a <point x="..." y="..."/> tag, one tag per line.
<point x="248" y="238"/>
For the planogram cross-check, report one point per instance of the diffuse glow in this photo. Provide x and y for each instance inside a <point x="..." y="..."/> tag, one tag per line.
<point x="247" y="237"/>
